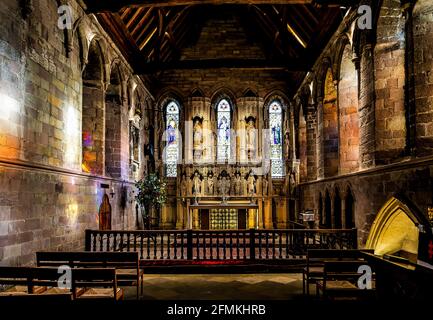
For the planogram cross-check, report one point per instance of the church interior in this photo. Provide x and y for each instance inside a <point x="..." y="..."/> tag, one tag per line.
<point x="174" y="149"/>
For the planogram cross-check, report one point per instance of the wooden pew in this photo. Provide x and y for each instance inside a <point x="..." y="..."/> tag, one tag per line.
<point x="314" y="269"/>
<point x="98" y="283"/>
<point x="340" y="280"/>
<point x="86" y="283"/>
<point x="126" y="264"/>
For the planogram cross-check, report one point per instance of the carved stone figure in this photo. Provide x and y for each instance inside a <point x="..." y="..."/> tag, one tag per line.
<point x="238" y="184"/>
<point x="198" y="139"/>
<point x="251" y="182"/>
<point x="196" y="183"/>
<point x="287" y="146"/>
<point x="265" y="185"/>
<point x="292" y="183"/>
<point x="210" y="185"/>
<point x="251" y="138"/>
<point x="184" y="186"/>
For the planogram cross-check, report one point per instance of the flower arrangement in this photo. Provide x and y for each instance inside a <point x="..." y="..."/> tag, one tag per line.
<point x="151" y="192"/>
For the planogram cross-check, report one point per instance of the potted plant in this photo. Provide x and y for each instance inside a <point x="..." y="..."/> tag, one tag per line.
<point x="151" y="193"/>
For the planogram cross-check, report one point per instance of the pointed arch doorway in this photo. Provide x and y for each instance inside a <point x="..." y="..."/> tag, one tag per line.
<point x="105" y="214"/>
<point x="395" y="231"/>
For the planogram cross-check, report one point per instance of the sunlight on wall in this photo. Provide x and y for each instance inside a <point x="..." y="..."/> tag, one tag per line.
<point x="72" y="213"/>
<point x="9" y="108"/>
<point x="72" y="152"/>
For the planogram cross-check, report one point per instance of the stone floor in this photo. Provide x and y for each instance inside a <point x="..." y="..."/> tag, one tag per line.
<point x="220" y="287"/>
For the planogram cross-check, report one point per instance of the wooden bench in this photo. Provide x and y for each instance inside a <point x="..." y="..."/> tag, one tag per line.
<point x="28" y="282"/>
<point x="126" y="264"/>
<point x="340" y="280"/>
<point x="314" y="269"/>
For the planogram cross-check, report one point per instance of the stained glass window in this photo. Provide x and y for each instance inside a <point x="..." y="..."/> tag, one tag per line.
<point x="275" y="126"/>
<point x="172" y="147"/>
<point x="223" y="122"/>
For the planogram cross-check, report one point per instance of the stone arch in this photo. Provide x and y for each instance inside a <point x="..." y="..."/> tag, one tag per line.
<point x="389" y="65"/>
<point x="337" y="209"/>
<point x="348" y="118"/>
<point x="113" y="123"/>
<point x="301" y="141"/>
<point x="93" y="111"/>
<point x="328" y="128"/>
<point x="281" y="97"/>
<point x="319" y="82"/>
<point x="349" y="209"/>
<point x="223" y="93"/>
<point x="249" y="93"/>
<point x="197" y="93"/>
<point x="395" y="230"/>
<point x="327" y="210"/>
<point x="423" y="73"/>
<point x="320" y="210"/>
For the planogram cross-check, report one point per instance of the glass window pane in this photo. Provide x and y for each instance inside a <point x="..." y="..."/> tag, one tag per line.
<point x="223" y="122"/>
<point x="172" y="147"/>
<point x="276" y="150"/>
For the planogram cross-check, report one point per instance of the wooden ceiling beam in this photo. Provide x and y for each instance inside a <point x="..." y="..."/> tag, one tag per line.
<point x="94" y="6"/>
<point x="290" y="65"/>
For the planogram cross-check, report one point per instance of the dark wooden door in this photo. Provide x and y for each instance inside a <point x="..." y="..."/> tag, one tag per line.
<point x="105" y="214"/>
<point x="242" y="218"/>
<point x="204" y="219"/>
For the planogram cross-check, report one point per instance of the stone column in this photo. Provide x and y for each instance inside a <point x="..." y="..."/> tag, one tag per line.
<point x="195" y="219"/>
<point x="409" y="87"/>
<point x="268" y="213"/>
<point x="343" y="213"/>
<point x="320" y="161"/>
<point x="282" y="213"/>
<point x="179" y="214"/>
<point x="260" y="213"/>
<point x="311" y="145"/>
<point x="366" y="108"/>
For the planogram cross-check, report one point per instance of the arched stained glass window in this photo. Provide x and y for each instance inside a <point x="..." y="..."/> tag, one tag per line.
<point x="275" y="126"/>
<point x="223" y="122"/>
<point x="172" y="148"/>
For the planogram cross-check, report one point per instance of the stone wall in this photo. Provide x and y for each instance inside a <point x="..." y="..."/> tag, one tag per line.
<point x="47" y="201"/>
<point x="385" y="168"/>
<point x="423" y="66"/>
<point x="371" y="189"/>
<point x="223" y="37"/>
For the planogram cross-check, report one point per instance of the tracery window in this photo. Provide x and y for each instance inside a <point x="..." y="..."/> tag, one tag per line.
<point x="276" y="143"/>
<point x="223" y="129"/>
<point x="172" y="147"/>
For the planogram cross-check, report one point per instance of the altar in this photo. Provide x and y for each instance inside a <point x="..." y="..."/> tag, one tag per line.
<point x="218" y="215"/>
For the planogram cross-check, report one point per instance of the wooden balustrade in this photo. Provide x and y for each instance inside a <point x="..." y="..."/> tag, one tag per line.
<point x="221" y="244"/>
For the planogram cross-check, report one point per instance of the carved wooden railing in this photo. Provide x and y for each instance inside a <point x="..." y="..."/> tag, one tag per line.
<point x="221" y="244"/>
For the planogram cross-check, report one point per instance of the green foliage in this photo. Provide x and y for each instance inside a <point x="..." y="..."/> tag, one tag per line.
<point x="152" y="191"/>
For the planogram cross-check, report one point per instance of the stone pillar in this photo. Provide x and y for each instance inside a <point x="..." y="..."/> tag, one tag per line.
<point x="281" y="213"/>
<point x="320" y="160"/>
<point x="409" y="87"/>
<point x="343" y="213"/>
<point x="311" y="145"/>
<point x="179" y="214"/>
<point x="260" y="213"/>
<point x="251" y="218"/>
<point x="195" y="219"/>
<point x="267" y="207"/>
<point x="332" y="214"/>
<point x="366" y="108"/>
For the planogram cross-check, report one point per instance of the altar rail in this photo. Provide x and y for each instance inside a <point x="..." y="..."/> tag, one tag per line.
<point x="221" y="244"/>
